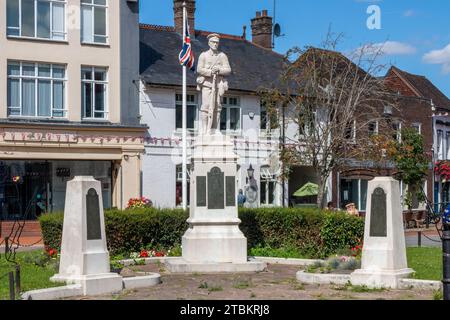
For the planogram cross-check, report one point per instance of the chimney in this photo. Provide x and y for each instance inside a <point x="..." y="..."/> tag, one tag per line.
<point x="178" y="15"/>
<point x="262" y="28"/>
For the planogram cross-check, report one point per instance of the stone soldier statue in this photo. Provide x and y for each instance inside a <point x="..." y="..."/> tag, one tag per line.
<point x="212" y="67"/>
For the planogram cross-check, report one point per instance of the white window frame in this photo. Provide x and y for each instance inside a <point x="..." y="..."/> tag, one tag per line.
<point x="418" y="126"/>
<point x="179" y="104"/>
<point x="353" y="133"/>
<point x="92" y="6"/>
<point x="36" y="17"/>
<point x="226" y="107"/>
<point x="21" y="77"/>
<point x="376" y="128"/>
<point x="447" y="142"/>
<point x="440" y="144"/>
<point x="360" y="201"/>
<point x="398" y="130"/>
<point x="267" y="178"/>
<point x="94" y="82"/>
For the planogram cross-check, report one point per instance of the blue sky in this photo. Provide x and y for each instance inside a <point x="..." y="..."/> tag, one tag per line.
<point x="417" y="32"/>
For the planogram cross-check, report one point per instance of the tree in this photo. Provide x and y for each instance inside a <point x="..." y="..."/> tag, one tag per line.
<point x="412" y="163"/>
<point x="333" y="100"/>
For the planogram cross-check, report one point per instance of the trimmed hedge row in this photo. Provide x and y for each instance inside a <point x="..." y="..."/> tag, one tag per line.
<point x="316" y="234"/>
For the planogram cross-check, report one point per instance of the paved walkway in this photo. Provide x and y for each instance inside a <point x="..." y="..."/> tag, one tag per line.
<point x="277" y="283"/>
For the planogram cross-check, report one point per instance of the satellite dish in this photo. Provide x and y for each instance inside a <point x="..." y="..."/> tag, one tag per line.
<point x="277" y="30"/>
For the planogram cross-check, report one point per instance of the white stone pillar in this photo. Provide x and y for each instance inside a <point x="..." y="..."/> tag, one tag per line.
<point x="84" y="254"/>
<point x="214" y="242"/>
<point x="384" y="252"/>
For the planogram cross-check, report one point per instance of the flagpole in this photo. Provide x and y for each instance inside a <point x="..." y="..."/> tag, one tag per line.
<point x="184" y="120"/>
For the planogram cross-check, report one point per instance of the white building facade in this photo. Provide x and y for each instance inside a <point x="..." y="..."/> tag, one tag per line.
<point x="242" y="118"/>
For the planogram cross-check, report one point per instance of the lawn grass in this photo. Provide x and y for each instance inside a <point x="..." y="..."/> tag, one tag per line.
<point x="32" y="276"/>
<point x="427" y="262"/>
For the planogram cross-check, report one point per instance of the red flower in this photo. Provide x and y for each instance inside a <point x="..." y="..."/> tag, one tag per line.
<point x="143" y="254"/>
<point x="159" y="254"/>
<point x="52" y="253"/>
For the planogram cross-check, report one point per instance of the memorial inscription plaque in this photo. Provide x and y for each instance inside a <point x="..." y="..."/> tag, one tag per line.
<point x="216" y="189"/>
<point x="378" y="214"/>
<point x="230" y="187"/>
<point x="93" y="215"/>
<point x="201" y="191"/>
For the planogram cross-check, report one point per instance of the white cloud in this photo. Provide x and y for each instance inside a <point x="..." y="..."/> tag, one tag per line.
<point x="441" y="56"/>
<point x="388" y="48"/>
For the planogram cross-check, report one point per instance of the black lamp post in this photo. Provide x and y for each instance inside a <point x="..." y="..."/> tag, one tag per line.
<point x="250" y="172"/>
<point x="446" y="253"/>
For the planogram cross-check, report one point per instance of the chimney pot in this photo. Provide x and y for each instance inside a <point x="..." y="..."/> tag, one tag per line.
<point x="178" y="15"/>
<point x="262" y="30"/>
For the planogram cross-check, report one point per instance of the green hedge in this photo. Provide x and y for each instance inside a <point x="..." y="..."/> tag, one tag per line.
<point x="315" y="233"/>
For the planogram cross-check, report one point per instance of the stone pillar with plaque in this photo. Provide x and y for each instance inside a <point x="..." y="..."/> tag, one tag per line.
<point x="384" y="251"/>
<point x="84" y="254"/>
<point x="214" y="242"/>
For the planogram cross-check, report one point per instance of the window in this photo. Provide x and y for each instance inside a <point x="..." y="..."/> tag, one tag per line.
<point x="94" y="92"/>
<point x="350" y="131"/>
<point x="191" y="104"/>
<point x="93" y="21"/>
<point x="267" y="186"/>
<point x="397" y="128"/>
<point x="417" y="127"/>
<point x="179" y="185"/>
<point x="264" y="118"/>
<point x="36" y="90"/>
<point x="439" y="144"/>
<point x="373" y="128"/>
<point x="268" y="120"/>
<point x="354" y="191"/>
<point x="41" y="19"/>
<point x="448" y="145"/>
<point x="230" y="118"/>
<point x="307" y="123"/>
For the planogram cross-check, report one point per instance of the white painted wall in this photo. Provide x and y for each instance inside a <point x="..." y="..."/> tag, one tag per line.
<point x="159" y="164"/>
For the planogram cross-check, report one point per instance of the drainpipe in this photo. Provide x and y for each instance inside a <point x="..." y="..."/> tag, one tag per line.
<point x="283" y="142"/>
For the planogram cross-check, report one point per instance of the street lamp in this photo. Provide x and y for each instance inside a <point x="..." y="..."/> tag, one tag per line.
<point x="250" y="172"/>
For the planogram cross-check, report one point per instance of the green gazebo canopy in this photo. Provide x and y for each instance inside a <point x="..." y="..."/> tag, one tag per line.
<point x="309" y="189"/>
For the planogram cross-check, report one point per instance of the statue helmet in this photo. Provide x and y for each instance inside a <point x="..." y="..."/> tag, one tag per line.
<point x="213" y="35"/>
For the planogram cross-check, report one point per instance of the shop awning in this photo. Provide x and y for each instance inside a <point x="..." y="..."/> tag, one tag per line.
<point x="309" y="189"/>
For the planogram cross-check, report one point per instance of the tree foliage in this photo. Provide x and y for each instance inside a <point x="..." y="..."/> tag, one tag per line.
<point x="331" y="99"/>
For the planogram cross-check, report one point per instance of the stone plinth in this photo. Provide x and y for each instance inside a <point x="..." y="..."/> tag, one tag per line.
<point x="84" y="254"/>
<point x="214" y="242"/>
<point x="384" y="252"/>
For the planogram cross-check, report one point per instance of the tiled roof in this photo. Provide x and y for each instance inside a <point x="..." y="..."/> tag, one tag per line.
<point x="253" y="67"/>
<point x="423" y="88"/>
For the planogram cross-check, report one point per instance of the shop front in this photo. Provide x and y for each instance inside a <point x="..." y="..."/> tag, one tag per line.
<point x="36" y="163"/>
<point x="30" y="188"/>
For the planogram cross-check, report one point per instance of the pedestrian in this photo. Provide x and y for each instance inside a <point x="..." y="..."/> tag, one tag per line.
<point x="241" y="198"/>
<point x="351" y="209"/>
<point x="330" y="206"/>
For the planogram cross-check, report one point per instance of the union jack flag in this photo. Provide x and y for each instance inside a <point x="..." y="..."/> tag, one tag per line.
<point x="187" y="55"/>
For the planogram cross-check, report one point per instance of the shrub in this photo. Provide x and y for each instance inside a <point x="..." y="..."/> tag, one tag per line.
<point x="127" y="231"/>
<point x="340" y="231"/>
<point x="310" y="232"/>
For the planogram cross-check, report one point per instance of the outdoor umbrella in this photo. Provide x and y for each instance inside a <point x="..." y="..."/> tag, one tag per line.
<point x="308" y="190"/>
